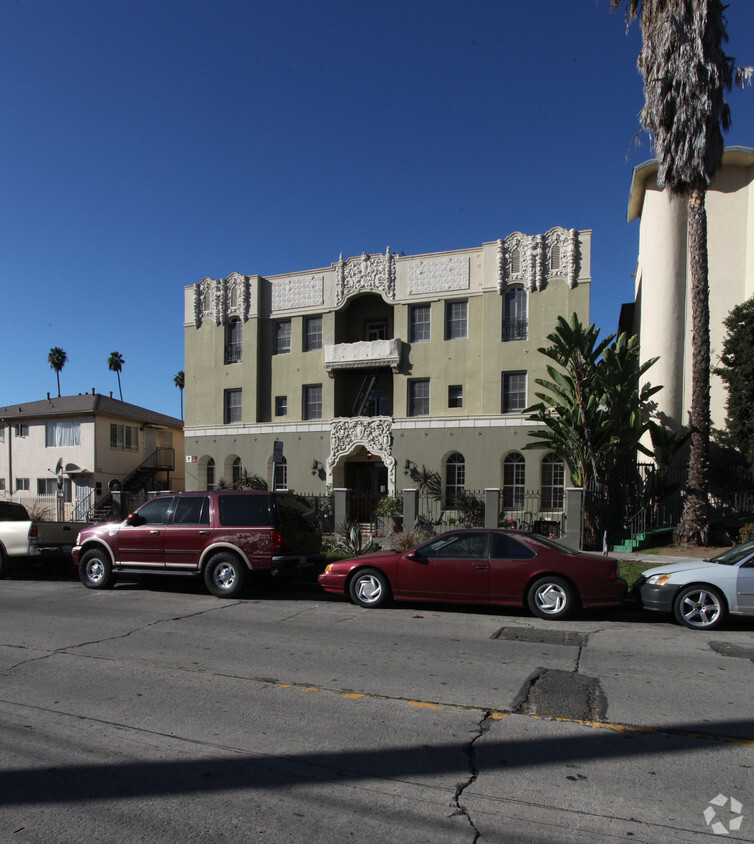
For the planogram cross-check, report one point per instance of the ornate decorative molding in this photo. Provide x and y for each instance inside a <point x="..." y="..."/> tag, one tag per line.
<point x="299" y="292"/>
<point x="220" y="299"/>
<point x="438" y="275"/>
<point x="365" y="274"/>
<point x="375" y="433"/>
<point x="535" y="259"/>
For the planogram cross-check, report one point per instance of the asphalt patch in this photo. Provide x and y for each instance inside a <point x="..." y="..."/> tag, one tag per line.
<point x="541" y="637"/>
<point x="736" y="651"/>
<point x="553" y="693"/>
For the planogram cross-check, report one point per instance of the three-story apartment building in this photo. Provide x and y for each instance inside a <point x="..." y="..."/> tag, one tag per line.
<point x="350" y="374"/>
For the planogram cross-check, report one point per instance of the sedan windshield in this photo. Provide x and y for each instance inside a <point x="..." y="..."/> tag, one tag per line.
<point x="734" y="555"/>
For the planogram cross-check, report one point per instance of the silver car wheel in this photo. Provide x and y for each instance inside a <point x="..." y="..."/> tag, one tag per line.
<point x="551" y="598"/>
<point x="699" y="607"/>
<point x="95" y="571"/>
<point x="369" y="588"/>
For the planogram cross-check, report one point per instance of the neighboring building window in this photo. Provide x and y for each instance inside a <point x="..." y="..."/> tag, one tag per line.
<point x="281" y="405"/>
<point x="456" y="320"/>
<point x="236" y="470"/>
<point x="233" y="340"/>
<point x="49" y="486"/>
<point x="515" y="321"/>
<point x="514" y="391"/>
<point x="419" y="323"/>
<point x="455" y="396"/>
<point x="312" y="333"/>
<point x="418" y="397"/>
<point x="59" y="434"/>
<point x="282" y="337"/>
<point x="232" y="412"/>
<point x="313" y="401"/>
<point x="124" y="437"/>
<point x="514" y="467"/>
<point x="553" y="482"/>
<point x="21" y="430"/>
<point x="2" y="484"/>
<point x="376" y="330"/>
<point x="22" y="484"/>
<point x="280" y="474"/>
<point x="455" y="479"/>
<point x="2" y="433"/>
<point x="210" y="483"/>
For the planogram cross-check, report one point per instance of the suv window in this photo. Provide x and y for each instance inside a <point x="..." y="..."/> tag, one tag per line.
<point x="295" y="513"/>
<point x="154" y="512"/>
<point x="193" y="510"/>
<point x="244" y="510"/>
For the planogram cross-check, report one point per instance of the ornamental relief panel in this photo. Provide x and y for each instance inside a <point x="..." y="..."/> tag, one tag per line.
<point x="375" y="433"/>
<point x="365" y="274"/>
<point x="438" y="275"/>
<point x="535" y="259"/>
<point x="219" y="299"/>
<point x="298" y="293"/>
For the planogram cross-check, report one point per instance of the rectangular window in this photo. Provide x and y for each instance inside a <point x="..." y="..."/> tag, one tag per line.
<point x="313" y="401"/>
<point x="22" y="484"/>
<point x="2" y="433"/>
<point x="455" y="396"/>
<point x="59" y="434"/>
<point x="21" y="430"/>
<point x="376" y="330"/>
<point x="2" y="484"/>
<point x="418" y="397"/>
<point x="125" y="437"/>
<point x="419" y="323"/>
<point x="455" y="320"/>
<point x="280" y="475"/>
<point x="232" y="409"/>
<point x="283" y="337"/>
<point x="312" y="333"/>
<point x="281" y="405"/>
<point x="514" y="392"/>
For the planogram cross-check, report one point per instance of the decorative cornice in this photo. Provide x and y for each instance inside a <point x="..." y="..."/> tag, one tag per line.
<point x="535" y="259"/>
<point x="299" y="292"/>
<point x="221" y="299"/>
<point x="365" y="274"/>
<point x="438" y="275"/>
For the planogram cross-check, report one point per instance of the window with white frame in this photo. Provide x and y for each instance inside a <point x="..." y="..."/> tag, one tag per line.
<point x="281" y="405"/>
<point x="418" y="397"/>
<point x="312" y="401"/>
<point x="553" y="482"/>
<point x="49" y="486"/>
<point x="22" y="484"/>
<point x="210" y="477"/>
<point x="456" y="327"/>
<point x="59" y="434"/>
<point x="236" y="472"/>
<point x="282" y="337"/>
<point x="233" y="341"/>
<point x="514" y="392"/>
<point x="514" y="469"/>
<point x="312" y="333"/>
<point x="280" y="474"/>
<point x="455" y="479"/>
<point x="515" y="320"/>
<point x="419" y="323"/>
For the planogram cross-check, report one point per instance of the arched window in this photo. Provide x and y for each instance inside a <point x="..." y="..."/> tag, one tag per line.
<point x="515" y="319"/>
<point x="514" y="467"/>
<point x="455" y="479"/>
<point x="210" y="484"/>
<point x="516" y="260"/>
<point x="280" y="474"/>
<point x="553" y="482"/>
<point x="235" y="473"/>
<point x="233" y="340"/>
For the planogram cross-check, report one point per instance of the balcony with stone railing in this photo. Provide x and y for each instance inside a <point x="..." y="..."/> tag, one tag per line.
<point x="366" y="354"/>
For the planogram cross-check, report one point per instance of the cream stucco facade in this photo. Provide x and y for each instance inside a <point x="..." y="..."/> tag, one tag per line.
<point x="662" y="315"/>
<point x="377" y="362"/>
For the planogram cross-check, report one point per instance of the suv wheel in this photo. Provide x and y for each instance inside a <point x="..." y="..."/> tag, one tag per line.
<point x="225" y="575"/>
<point x="96" y="570"/>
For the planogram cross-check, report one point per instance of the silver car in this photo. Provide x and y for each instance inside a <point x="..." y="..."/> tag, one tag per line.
<point x="701" y="592"/>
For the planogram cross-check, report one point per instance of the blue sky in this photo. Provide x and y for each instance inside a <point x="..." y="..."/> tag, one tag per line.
<point x="146" y="145"/>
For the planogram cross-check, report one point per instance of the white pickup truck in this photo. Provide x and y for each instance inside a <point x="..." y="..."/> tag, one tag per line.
<point x="23" y="540"/>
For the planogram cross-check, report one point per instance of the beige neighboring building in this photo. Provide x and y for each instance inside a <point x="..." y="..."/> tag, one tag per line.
<point x="350" y="374"/>
<point x="662" y="311"/>
<point x="87" y="441"/>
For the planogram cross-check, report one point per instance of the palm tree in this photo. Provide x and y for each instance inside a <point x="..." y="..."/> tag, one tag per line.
<point x="115" y="364"/>
<point x="57" y="360"/>
<point x="686" y="74"/>
<point x="180" y="382"/>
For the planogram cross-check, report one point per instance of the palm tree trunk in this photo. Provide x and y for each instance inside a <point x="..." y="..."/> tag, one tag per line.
<point x="694" y="524"/>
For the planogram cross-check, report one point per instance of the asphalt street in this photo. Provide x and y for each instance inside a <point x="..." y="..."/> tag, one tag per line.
<point x="154" y="712"/>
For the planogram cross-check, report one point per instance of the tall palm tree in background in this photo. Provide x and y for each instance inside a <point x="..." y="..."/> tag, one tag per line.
<point x="115" y="364"/>
<point x="179" y="381"/>
<point x="57" y="359"/>
<point x="686" y="74"/>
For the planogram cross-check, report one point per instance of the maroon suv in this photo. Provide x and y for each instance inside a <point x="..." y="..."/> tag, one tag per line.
<point x="222" y="534"/>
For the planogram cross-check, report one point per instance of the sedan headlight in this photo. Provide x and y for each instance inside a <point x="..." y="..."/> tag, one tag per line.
<point x="658" y="579"/>
<point x="78" y="539"/>
<point x="328" y="568"/>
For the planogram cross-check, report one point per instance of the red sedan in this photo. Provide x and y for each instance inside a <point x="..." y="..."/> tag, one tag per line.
<point x="504" y="567"/>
